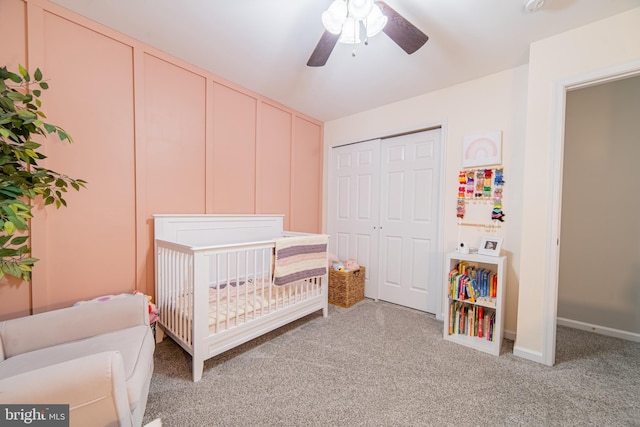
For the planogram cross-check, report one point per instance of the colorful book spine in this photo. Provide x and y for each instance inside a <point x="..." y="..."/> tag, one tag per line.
<point x="468" y="285"/>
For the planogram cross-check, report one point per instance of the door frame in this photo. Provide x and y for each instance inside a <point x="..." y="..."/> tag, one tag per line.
<point x="550" y="295"/>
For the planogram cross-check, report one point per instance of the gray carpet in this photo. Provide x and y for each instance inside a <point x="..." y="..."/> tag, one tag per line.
<point x="379" y="364"/>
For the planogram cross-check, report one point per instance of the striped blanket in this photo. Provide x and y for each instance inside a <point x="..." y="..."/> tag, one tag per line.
<point x="299" y="258"/>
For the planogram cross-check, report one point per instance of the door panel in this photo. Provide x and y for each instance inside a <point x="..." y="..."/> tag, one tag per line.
<point x="393" y="261"/>
<point x="420" y="250"/>
<point x="423" y="206"/>
<point x="408" y="220"/>
<point x="353" y="207"/>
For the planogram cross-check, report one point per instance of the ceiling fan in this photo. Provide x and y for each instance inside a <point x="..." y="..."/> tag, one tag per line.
<point x="344" y="19"/>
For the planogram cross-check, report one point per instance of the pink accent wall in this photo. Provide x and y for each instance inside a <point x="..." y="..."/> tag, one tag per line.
<point x="306" y="166"/>
<point x="153" y="134"/>
<point x="273" y="168"/>
<point x="88" y="248"/>
<point x="234" y="150"/>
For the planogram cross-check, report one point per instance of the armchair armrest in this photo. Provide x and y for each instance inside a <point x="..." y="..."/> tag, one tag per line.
<point x="55" y="327"/>
<point x="93" y="386"/>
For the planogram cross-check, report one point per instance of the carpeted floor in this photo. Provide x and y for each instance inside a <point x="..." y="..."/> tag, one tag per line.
<point x="379" y="364"/>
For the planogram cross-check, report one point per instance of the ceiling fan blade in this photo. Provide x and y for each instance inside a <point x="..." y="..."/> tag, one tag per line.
<point x="323" y="49"/>
<point x="402" y="32"/>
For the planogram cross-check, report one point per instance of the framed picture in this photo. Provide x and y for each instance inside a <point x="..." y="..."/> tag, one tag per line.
<point x="482" y="150"/>
<point x="490" y="246"/>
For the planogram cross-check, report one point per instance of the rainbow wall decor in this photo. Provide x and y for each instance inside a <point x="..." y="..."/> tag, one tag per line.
<point x="482" y="150"/>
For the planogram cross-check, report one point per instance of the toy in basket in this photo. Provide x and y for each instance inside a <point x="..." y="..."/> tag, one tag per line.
<point x="346" y="288"/>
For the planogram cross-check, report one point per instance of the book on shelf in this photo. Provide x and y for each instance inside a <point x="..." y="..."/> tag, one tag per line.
<point x="474" y="284"/>
<point x="470" y="320"/>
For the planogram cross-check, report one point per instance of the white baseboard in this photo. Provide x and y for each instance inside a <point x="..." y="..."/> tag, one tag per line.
<point x="602" y="330"/>
<point x="534" y="356"/>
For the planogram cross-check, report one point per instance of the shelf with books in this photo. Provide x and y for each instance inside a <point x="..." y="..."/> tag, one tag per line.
<point x="474" y="301"/>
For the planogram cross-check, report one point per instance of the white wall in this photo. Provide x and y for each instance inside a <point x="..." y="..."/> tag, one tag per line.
<point x="495" y="102"/>
<point x="501" y="101"/>
<point x="607" y="44"/>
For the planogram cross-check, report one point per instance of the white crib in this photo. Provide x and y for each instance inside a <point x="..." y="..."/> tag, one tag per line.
<point x="220" y="283"/>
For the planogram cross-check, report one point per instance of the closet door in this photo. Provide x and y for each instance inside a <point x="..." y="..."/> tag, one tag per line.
<point x="410" y="172"/>
<point x="353" y="206"/>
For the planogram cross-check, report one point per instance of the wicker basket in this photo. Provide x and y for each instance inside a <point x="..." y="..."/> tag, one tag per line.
<point x="346" y="288"/>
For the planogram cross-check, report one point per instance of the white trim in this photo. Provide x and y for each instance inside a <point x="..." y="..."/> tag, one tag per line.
<point x="552" y="265"/>
<point x="534" y="356"/>
<point x="597" y="329"/>
<point x="441" y="216"/>
<point x="550" y="296"/>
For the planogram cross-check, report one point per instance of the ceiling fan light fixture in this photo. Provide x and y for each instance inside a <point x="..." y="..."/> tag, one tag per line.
<point x="330" y="23"/>
<point x="334" y="17"/>
<point x="360" y="9"/>
<point x="350" y="32"/>
<point x="406" y="35"/>
<point x="531" y="6"/>
<point x="375" y="21"/>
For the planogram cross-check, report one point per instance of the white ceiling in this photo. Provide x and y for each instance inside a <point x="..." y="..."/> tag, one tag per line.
<point x="264" y="45"/>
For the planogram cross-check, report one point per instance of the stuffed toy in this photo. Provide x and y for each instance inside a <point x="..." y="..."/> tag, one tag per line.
<point x="338" y="266"/>
<point x="153" y="310"/>
<point x="332" y="258"/>
<point x="351" y="265"/>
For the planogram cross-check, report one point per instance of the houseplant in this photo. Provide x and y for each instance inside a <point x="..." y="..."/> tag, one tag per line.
<point x="22" y="179"/>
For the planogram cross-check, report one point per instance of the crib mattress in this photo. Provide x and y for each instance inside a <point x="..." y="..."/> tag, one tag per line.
<point x="240" y="304"/>
<point x="232" y="305"/>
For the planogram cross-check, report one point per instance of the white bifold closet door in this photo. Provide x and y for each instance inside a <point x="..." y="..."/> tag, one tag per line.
<point x="383" y="211"/>
<point x="353" y="205"/>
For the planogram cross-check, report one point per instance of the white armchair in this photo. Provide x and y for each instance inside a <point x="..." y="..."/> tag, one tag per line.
<point x="98" y="358"/>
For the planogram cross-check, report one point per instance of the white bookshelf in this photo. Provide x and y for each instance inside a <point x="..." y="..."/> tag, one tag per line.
<point x="458" y="310"/>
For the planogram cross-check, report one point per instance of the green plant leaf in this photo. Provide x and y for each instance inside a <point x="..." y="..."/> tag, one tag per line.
<point x="37" y="75"/>
<point x="23" y="72"/>
<point x="9" y="228"/>
<point x="14" y="77"/>
<point x="15" y="96"/>
<point x="24" y="267"/>
<point x="49" y="128"/>
<point x="62" y="135"/>
<point x="44" y="85"/>
<point x="19" y="240"/>
<point x="7" y="252"/>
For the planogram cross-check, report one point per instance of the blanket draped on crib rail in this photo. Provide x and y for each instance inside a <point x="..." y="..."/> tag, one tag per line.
<point x="299" y="258"/>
